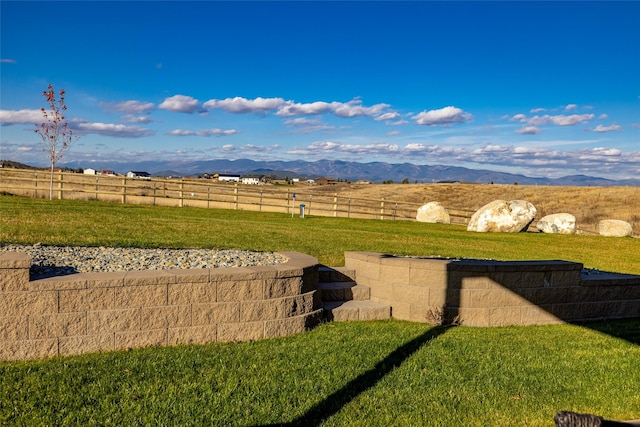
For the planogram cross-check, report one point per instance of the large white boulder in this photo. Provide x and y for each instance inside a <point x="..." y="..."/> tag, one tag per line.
<point x="614" y="228"/>
<point x="560" y="223"/>
<point x="433" y="212"/>
<point x="503" y="216"/>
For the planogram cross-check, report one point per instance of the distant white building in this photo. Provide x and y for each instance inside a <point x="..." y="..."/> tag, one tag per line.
<point x="252" y="179"/>
<point x="89" y="171"/>
<point x="224" y="177"/>
<point x="138" y="174"/>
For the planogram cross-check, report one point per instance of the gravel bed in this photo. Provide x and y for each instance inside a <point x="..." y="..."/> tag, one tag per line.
<point x="50" y="261"/>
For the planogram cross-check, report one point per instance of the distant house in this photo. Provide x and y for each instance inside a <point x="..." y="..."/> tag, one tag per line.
<point x="138" y="174"/>
<point x="224" y="177"/>
<point x="326" y="181"/>
<point x="89" y="171"/>
<point x="311" y="181"/>
<point x="252" y="179"/>
<point x="107" y="172"/>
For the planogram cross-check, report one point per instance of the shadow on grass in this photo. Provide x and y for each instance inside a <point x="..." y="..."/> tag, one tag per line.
<point x="628" y="329"/>
<point x="335" y="402"/>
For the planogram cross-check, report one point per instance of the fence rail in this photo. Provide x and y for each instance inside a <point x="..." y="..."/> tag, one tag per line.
<point x="207" y="194"/>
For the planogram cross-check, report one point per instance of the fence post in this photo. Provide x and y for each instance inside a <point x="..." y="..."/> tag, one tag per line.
<point x="235" y="195"/>
<point x="382" y="209"/>
<point x="97" y="187"/>
<point x="310" y="198"/>
<point x="124" y="190"/>
<point x="208" y="197"/>
<point x="181" y="202"/>
<point x="260" y="200"/>
<point x="287" y="207"/>
<point x="349" y="209"/>
<point x="60" y="185"/>
<point x="155" y="185"/>
<point x="335" y="204"/>
<point x="36" y="174"/>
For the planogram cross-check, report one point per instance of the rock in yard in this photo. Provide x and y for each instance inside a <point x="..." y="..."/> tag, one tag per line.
<point x="614" y="228"/>
<point x="433" y="212"/>
<point x="503" y="216"/>
<point x="560" y="223"/>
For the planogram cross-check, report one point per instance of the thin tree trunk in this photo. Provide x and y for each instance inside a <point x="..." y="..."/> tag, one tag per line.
<point x="51" y="183"/>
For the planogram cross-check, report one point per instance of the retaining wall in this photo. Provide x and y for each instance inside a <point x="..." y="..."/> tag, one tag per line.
<point x="494" y="293"/>
<point x="91" y="312"/>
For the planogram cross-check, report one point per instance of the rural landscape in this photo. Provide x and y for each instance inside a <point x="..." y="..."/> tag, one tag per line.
<point x="309" y="213"/>
<point x="387" y="372"/>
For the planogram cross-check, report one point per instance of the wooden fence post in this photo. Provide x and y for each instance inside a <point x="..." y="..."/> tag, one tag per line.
<point x="235" y="195"/>
<point x="181" y="202"/>
<point x="382" y="209"/>
<point x="60" y="185"/>
<point x="36" y="189"/>
<point x="260" y="201"/>
<point x="97" y="187"/>
<point x="335" y="204"/>
<point x="208" y="197"/>
<point x="124" y="190"/>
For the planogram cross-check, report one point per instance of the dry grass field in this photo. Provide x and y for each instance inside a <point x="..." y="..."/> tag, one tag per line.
<point x="588" y="204"/>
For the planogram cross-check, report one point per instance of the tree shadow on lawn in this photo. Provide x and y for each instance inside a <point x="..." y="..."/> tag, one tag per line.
<point x="335" y="402"/>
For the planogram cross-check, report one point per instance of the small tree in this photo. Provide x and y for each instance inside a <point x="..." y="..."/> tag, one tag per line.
<point x="54" y="130"/>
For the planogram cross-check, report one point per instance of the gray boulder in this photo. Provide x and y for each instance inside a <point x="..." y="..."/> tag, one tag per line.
<point x="433" y="212"/>
<point x="614" y="228"/>
<point x="503" y="216"/>
<point x="560" y="223"/>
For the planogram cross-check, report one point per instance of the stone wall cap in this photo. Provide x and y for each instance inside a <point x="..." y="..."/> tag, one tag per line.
<point x="15" y="260"/>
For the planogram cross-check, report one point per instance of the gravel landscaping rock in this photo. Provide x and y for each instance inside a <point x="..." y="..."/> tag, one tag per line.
<point x="60" y="260"/>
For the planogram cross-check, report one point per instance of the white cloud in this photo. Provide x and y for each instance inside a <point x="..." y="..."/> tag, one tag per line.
<point x="388" y="116"/>
<point x="349" y="109"/>
<point x="13" y="117"/>
<point x="243" y="105"/>
<point x="603" y="116"/>
<point x="110" y="129"/>
<point x="180" y="104"/>
<point x="570" y="107"/>
<point x="601" y="128"/>
<point x="324" y="147"/>
<point x="7" y="61"/>
<point x="203" y="132"/>
<point x="528" y="130"/>
<point x="443" y="116"/>
<point x="559" y="120"/>
<point x="537" y="110"/>
<point x="571" y="120"/>
<point x="519" y="118"/>
<point x="131" y="107"/>
<point x="138" y="119"/>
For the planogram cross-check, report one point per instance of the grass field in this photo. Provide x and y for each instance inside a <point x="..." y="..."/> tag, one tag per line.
<point x="359" y="373"/>
<point x="91" y="223"/>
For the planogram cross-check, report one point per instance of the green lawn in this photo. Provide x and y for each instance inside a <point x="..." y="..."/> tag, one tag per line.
<point x="92" y="223"/>
<point x="379" y="373"/>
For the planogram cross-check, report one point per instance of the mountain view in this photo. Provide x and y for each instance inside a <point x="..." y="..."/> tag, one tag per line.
<point x="376" y="172"/>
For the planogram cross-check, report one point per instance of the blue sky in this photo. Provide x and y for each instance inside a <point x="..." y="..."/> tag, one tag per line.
<point x="539" y="88"/>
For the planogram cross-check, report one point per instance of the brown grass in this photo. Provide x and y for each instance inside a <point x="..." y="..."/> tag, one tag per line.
<point x="588" y="204"/>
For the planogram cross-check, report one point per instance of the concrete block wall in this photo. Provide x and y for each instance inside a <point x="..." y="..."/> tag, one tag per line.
<point x="494" y="293"/>
<point x="91" y="312"/>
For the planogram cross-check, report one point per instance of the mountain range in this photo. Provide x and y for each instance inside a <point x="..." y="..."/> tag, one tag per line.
<point x="353" y="171"/>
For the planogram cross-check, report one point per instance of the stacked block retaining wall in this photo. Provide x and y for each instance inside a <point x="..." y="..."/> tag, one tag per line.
<point x="494" y="293"/>
<point x="91" y="312"/>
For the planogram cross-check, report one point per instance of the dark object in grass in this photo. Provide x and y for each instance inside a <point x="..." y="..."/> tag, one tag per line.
<point x="573" y="419"/>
